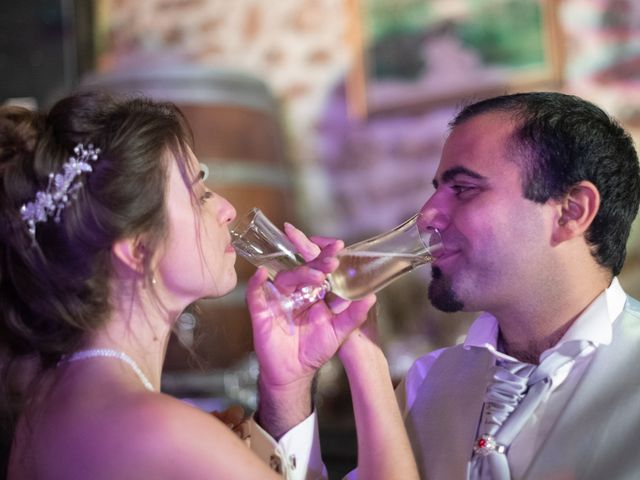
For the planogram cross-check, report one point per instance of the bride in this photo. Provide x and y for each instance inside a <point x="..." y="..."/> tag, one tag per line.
<point x="108" y="233"/>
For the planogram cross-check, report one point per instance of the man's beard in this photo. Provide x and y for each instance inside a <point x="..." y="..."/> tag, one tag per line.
<point x="441" y="293"/>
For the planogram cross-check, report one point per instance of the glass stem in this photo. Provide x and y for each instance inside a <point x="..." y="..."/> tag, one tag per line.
<point x="306" y="296"/>
<point x="288" y="307"/>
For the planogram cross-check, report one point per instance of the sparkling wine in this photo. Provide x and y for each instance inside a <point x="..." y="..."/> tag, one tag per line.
<point x="275" y="262"/>
<point x="364" y="267"/>
<point x="362" y="273"/>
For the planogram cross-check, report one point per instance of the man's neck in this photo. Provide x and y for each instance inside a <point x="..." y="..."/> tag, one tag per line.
<point x="530" y="351"/>
<point x="527" y="333"/>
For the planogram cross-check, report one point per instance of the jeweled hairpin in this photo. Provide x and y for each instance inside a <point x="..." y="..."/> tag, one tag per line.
<point x="61" y="189"/>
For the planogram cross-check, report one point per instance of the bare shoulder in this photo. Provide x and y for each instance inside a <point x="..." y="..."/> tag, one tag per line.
<point x="146" y="435"/>
<point x="164" y="437"/>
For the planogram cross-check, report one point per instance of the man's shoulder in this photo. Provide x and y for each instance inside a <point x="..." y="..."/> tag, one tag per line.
<point x="426" y="361"/>
<point x="632" y="306"/>
<point x="447" y="358"/>
<point x="452" y="353"/>
<point x="627" y="325"/>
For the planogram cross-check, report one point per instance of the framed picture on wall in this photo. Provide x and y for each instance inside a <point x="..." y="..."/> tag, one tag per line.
<point x="413" y="54"/>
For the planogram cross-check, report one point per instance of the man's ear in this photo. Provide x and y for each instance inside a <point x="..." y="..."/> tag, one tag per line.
<point x="131" y="252"/>
<point x="576" y="211"/>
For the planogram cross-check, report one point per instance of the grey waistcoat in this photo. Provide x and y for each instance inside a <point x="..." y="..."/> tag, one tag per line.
<point x="596" y="437"/>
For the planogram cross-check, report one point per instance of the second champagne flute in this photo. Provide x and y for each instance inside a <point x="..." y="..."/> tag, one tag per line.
<point x="365" y="267"/>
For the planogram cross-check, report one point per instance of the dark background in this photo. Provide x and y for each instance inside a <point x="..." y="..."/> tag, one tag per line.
<point x="45" y="47"/>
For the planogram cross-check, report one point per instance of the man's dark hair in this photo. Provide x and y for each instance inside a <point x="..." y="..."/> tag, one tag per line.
<point x="560" y="140"/>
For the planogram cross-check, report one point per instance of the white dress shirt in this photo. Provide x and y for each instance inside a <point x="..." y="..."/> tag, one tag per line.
<point x="303" y="441"/>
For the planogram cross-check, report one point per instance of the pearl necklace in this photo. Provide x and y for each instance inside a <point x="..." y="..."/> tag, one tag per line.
<point x="107" y="352"/>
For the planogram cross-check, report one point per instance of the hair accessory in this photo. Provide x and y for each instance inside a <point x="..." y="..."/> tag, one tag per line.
<point x="61" y="189"/>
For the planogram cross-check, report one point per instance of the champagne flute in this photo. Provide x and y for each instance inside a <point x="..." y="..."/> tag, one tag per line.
<point x="364" y="267"/>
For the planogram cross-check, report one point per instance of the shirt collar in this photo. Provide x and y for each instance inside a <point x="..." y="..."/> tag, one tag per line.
<point x="589" y="326"/>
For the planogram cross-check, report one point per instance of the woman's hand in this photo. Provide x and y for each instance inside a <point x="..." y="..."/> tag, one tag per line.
<point x="290" y="359"/>
<point x="317" y="333"/>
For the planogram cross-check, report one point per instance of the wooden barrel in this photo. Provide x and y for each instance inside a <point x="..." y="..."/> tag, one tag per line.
<point x="238" y="134"/>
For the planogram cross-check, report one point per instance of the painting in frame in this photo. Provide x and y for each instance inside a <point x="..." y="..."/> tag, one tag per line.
<point x="415" y="54"/>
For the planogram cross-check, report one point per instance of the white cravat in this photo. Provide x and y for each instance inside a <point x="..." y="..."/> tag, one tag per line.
<point x="513" y="395"/>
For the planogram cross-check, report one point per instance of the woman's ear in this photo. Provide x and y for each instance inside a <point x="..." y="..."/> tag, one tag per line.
<point x="577" y="210"/>
<point x="131" y="252"/>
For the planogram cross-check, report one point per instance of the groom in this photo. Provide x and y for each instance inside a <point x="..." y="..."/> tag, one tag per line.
<point x="534" y="196"/>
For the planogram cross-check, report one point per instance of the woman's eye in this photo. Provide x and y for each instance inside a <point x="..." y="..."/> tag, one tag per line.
<point x="207" y="195"/>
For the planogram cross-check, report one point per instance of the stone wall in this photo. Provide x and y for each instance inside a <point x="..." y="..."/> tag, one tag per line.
<point x="357" y="177"/>
<point x="297" y="47"/>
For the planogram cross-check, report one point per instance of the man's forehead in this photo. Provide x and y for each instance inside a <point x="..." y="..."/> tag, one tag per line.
<point x="476" y="148"/>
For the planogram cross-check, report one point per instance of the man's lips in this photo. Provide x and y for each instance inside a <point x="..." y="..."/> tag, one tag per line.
<point x="444" y="257"/>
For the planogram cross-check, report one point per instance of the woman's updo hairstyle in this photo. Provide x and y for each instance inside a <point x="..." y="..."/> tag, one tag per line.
<point x="55" y="289"/>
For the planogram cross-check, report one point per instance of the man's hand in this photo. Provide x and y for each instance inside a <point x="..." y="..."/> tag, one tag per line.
<point x="234" y="418"/>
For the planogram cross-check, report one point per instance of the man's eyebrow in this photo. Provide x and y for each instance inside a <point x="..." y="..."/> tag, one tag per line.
<point x="450" y="174"/>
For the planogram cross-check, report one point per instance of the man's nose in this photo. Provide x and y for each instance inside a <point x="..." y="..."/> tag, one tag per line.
<point x="434" y="215"/>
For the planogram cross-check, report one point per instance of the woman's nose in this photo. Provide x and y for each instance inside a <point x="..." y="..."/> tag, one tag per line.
<point x="227" y="212"/>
